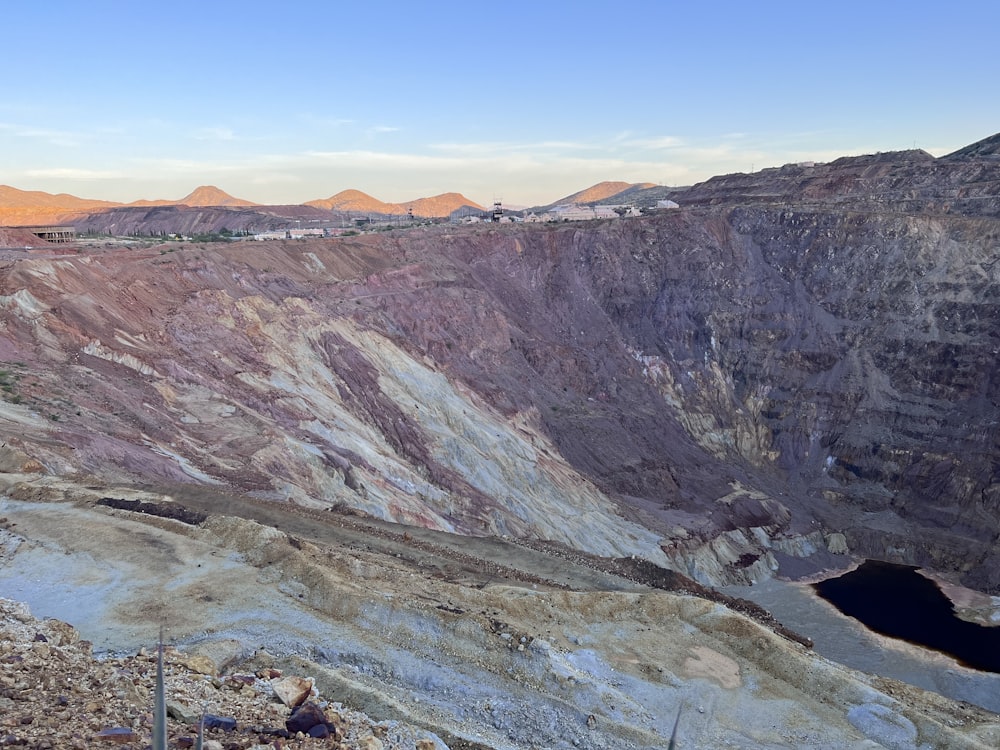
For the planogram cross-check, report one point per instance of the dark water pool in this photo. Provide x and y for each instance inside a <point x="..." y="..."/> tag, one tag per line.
<point x="897" y="601"/>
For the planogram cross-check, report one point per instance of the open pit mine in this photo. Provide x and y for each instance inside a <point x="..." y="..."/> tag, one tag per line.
<point x="486" y="482"/>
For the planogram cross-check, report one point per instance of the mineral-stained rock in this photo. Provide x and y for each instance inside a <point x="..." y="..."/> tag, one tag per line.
<point x="305" y="717"/>
<point x="213" y="656"/>
<point x="292" y="690"/>
<point x="225" y="723"/>
<point x="116" y="735"/>
<point x="198" y="663"/>
<point x="13" y="460"/>
<point x="182" y="712"/>
<point x="61" y="633"/>
<point x="837" y="544"/>
<point x="320" y="731"/>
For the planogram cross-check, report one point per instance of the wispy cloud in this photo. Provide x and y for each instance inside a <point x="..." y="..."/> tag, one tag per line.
<point x="189" y="166"/>
<point x="324" y="121"/>
<point x="374" y="131"/>
<point x="654" y="143"/>
<point x="537" y="175"/>
<point x="215" y="134"/>
<point x="487" y="148"/>
<point x="275" y="179"/>
<point x="73" y="173"/>
<point x="377" y="160"/>
<point x="63" y="138"/>
<point x="464" y="149"/>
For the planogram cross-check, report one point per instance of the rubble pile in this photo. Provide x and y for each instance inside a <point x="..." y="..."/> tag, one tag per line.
<point x="54" y="693"/>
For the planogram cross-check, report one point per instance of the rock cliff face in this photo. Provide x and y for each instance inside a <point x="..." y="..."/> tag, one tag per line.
<point x="768" y="377"/>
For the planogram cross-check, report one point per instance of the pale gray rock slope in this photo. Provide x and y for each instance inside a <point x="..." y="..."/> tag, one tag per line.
<point x="753" y="374"/>
<point x="499" y="663"/>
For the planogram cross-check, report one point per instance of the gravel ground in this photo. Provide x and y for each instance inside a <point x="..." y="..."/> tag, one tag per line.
<point x="55" y="694"/>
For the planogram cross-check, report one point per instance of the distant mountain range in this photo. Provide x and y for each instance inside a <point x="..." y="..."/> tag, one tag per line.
<point x="25" y="207"/>
<point x="354" y="201"/>
<point x="33" y="207"/>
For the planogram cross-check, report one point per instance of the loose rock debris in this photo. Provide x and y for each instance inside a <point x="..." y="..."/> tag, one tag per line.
<point x="55" y="694"/>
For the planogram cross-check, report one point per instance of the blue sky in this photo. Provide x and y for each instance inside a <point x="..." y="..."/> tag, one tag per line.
<point x="522" y="101"/>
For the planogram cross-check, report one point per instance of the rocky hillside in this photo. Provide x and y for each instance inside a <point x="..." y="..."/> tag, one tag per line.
<point x="964" y="183"/>
<point x="794" y="370"/>
<point x="604" y="191"/>
<point x="108" y="701"/>
<point x="722" y="389"/>
<point x="356" y="202"/>
<point x="34" y="207"/>
<point x="201" y="197"/>
<point x="471" y="643"/>
<point x="20" y="238"/>
<point x="157" y="220"/>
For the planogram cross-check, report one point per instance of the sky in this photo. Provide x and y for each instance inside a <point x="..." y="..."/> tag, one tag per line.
<point x="523" y="102"/>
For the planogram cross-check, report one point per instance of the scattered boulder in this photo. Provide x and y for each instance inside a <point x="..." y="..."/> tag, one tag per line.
<point x="61" y="633"/>
<point x="225" y="723"/>
<point x="197" y="663"/>
<point x="305" y="717"/>
<point x="320" y="731"/>
<point x="212" y="657"/>
<point x="116" y="735"/>
<point x="292" y="691"/>
<point x="182" y="712"/>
